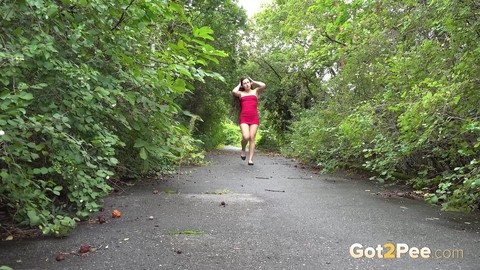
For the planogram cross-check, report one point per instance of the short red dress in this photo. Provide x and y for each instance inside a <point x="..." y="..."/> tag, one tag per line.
<point x="249" y="110"/>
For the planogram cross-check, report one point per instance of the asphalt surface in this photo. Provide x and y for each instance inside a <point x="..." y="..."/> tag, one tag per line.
<point x="273" y="215"/>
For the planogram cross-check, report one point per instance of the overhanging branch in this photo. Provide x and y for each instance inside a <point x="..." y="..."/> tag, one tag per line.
<point x="273" y="69"/>
<point x="122" y="17"/>
<point x="334" y="40"/>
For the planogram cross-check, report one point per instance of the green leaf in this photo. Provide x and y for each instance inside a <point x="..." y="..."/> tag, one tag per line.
<point x="176" y="7"/>
<point x="33" y="217"/>
<point x="143" y="154"/>
<point x="211" y="58"/>
<point x="113" y="161"/>
<point x="203" y="32"/>
<point x="131" y="97"/>
<point x="477" y="182"/>
<point x="25" y="96"/>
<point x="189" y="114"/>
<point x="102" y="91"/>
<point x="179" y="86"/>
<point x="4" y="174"/>
<point x="56" y="190"/>
<point x="183" y="70"/>
<point x="181" y="44"/>
<point x="44" y="170"/>
<point x="140" y="143"/>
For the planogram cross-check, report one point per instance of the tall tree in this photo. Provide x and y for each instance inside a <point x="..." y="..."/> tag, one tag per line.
<point x="210" y="98"/>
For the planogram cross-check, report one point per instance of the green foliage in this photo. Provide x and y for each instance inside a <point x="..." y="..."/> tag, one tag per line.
<point x="232" y="133"/>
<point x="312" y="139"/>
<point x="87" y="93"/>
<point x="60" y="226"/>
<point x="213" y="111"/>
<point x="187" y="232"/>
<point x="458" y="190"/>
<point x="210" y="97"/>
<point x="268" y="140"/>
<point x="393" y="87"/>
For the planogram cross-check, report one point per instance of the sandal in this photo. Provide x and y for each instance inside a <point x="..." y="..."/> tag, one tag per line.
<point x="250" y="163"/>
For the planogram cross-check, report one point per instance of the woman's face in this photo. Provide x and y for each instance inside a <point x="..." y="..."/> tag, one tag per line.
<point x="246" y="84"/>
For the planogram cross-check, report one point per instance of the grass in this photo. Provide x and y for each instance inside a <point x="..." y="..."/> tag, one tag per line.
<point x="169" y="191"/>
<point x="187" y="232"/>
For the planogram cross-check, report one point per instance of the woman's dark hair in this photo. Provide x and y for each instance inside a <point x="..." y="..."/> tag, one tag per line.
<point x="241" y="80"/>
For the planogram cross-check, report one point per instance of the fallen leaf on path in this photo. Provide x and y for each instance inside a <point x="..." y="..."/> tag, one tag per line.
<point x="84" y="248"/>
<point x="116" y="213"/>
<point x="102" y="219"/>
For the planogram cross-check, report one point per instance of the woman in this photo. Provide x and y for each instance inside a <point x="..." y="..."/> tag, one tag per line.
<point x="249" y="120"/>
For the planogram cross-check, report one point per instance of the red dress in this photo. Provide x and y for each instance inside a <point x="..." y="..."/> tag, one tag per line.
<point x="249" y="111"/>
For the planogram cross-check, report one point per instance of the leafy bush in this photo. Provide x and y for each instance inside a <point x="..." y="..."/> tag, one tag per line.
<point x="268" y="140"/>
<point x="402" y="97"/>
<point x="232" y="133"/>
<point x="86" y="96"/>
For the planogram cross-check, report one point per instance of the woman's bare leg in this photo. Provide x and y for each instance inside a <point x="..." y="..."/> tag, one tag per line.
<point x="253" y="133"/>
<point x="245" y="137"/>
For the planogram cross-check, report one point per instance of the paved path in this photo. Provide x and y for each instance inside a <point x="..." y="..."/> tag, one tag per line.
<point x="276" y="215"/>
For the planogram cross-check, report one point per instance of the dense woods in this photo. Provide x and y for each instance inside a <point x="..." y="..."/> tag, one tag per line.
<point x="391" y="87"/>
<point x="93" y="92"/>
<point x="90" y="94"/>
